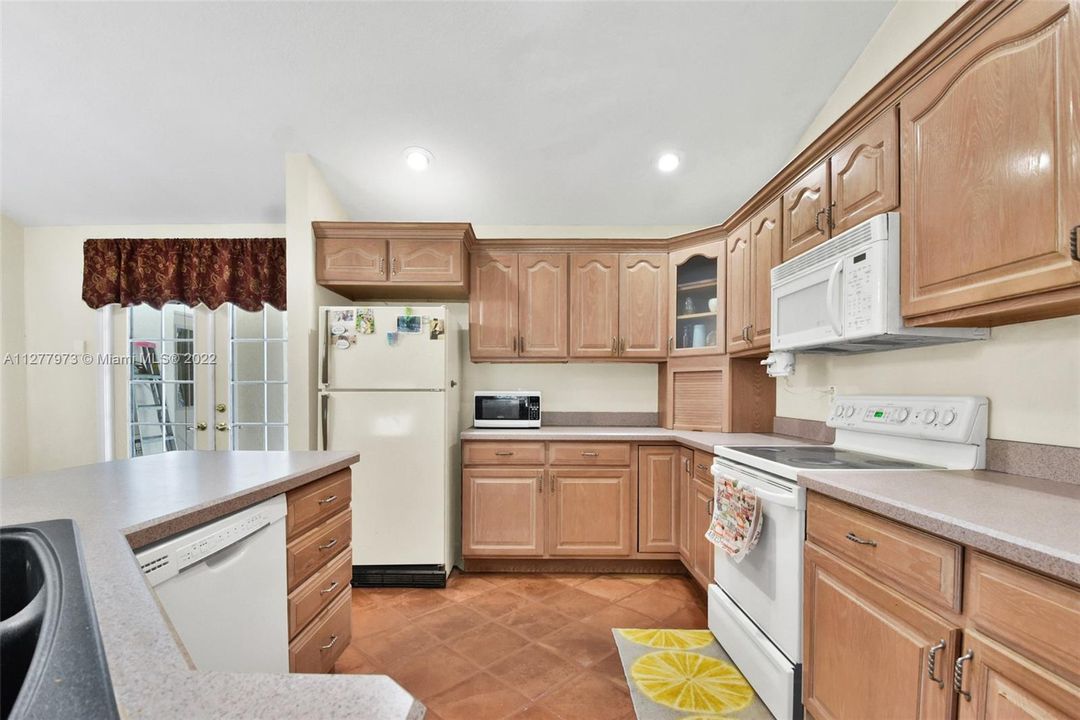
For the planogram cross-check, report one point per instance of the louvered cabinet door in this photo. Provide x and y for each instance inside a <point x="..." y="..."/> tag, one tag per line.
<point x="699" y="400"/>
<point x="594" y="305"/>
<point x="865" y="173"/>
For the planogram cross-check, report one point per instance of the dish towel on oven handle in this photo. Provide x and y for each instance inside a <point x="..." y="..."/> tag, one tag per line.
<point x="736" y="521"/>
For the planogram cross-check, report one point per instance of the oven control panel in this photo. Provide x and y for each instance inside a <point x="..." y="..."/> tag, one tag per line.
<point x="952" y="418"/>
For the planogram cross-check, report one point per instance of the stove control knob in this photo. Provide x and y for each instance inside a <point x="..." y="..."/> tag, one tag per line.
<point x="838" y="411"/>
<point x="948" y="417"/>
<point x="849" y="411"/>
<point x="929" y="417"/>
<point x="901" y="414"/>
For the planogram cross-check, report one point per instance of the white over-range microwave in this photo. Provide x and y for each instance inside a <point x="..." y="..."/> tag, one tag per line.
<point x="844" y="296"/>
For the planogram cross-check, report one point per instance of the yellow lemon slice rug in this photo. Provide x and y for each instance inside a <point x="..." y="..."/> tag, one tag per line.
<point x="684" y="675"/>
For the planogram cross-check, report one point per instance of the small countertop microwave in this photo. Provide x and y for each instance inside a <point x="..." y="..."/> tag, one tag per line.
<point x="513" y="409"/>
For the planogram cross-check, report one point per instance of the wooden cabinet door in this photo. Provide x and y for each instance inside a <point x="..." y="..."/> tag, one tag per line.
<point x="502" y="511"/>
<point x="493" y="306"/>
<point x="594" y="305"/>
<point x="806" y="204"/>
<point x="865" y="173"/>
<point x="1002" y="684"/>
<point x="659" y="473"/>
<point x="990" y="165"/>
<point x="866" y="648"/>
<point x="542" y="299"/>
<point x="701" y="506"/>
<point x="643" y="300"/>
<point x="423" y="261"/>
<point x="696" y="275"/>
<point x="589" y="511"/>
<point x="765" y="251"/>
<point x="350" y="260"/>
<point x="686" y="478"/>
<point x="738" y="289"/>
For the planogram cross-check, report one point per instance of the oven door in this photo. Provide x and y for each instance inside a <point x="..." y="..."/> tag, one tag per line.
<point x="767" y="584"/>
<point x="808" y="309"/>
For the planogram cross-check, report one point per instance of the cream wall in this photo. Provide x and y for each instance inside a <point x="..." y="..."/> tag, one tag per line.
<point x="63" y="401"/>
<point x="1030" y="372"/>
<point x="13" y="456"/>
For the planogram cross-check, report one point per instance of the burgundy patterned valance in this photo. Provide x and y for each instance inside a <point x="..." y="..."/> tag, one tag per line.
<point x="247" y="272"/>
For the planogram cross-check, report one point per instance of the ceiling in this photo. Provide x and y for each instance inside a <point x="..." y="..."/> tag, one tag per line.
<point x="536" y="113"/>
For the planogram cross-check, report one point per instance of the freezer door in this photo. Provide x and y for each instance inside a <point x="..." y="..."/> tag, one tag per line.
<point x="373" y="362"/>
<point x="400" y="483"/>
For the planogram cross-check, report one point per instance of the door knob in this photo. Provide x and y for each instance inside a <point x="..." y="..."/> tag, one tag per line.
<point x="200" y="426"/>
<point x="222" y="427"/>
<point x="220" y="407"/>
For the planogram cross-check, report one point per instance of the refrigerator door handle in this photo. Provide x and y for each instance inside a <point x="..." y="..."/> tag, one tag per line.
<point x="325" y="399"/>
<point x="324" y="370"/>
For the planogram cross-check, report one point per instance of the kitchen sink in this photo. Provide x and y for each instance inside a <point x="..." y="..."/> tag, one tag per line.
<point x="52" y="663"/>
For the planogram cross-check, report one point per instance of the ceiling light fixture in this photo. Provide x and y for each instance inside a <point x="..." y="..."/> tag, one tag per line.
<point x="418" y="158"/>
<point x="667" y="162"/>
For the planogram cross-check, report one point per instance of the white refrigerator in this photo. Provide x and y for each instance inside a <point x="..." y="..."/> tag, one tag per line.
<point x="389" y="390"/>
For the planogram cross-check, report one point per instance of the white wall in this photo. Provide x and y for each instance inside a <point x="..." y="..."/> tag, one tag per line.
<point x="904" y="28"/>
<point x="13" y="456"/>
<point x="62" y="401"/>
<point x="1030" y="372"/>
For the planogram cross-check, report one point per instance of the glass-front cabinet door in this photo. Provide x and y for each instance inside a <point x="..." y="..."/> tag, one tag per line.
<point x="697" y="300"/>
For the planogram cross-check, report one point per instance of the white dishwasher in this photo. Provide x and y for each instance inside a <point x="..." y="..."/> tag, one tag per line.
<point x="224" y="588"/>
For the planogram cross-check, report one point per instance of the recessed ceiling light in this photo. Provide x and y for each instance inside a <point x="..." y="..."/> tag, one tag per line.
<point x="418" y="158"/>
<point x="667" y="162"/>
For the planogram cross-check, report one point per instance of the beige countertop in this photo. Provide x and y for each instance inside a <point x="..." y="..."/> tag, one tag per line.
<point x="704" y="441"/>
<point x="130" y="503"/>
<point x="1030" y="521"/>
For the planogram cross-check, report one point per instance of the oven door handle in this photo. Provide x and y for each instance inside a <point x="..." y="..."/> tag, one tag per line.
<point x="831" y="305"/>
<point x="785" y="499"/>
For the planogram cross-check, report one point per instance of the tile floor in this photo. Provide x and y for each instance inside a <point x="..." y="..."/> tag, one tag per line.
<point x="522" y="646"/>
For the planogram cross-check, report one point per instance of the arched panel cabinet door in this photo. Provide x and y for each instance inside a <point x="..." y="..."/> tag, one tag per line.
<point x="696" y="282"/>
<point x="351" y="260"/>
<point x="594" y="305"/>
<point x="738" y="289"/>
<point x="765" y="252"/>
<point x="865" y="173"/>
<point x="643" y="300"/>
<point x="493" y="306"/>
<point x="806" y="208"/>
<point x="542" y="305"/>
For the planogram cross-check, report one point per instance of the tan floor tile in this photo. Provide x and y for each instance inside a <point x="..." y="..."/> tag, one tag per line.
<point x="682" y="588"/>
<point x="450" y="621"/>
<point x="611" y="668"/>
<point x="487" y="643"/>
<point x="584" y="644"/>
<point x="652" y="601"/>
<point x="391" y="648"/>
<point x="419" y="603"/>
<point x="588" y="696"/>
<point x="688" y="617"/>
<point x="481" y="697"/>
<point x="535" y="587"/>
<point x="533" y="670"/>
<point x="462" y="587"/>
<point x="572" y="579"/>
<point x="384" y="595"/>
<point x="428" y="674"/>
<point x="616" y="616"/>
<point x="609" y="588"/>
<point x="534" y="621"/>
<point x="534" y="712"/>
<point x="575" y="603"/>
<point x="639" y="578"/>
<point x="355" y="662"/>
<point x="380" y="618"/>
<point x="496" y="603"/>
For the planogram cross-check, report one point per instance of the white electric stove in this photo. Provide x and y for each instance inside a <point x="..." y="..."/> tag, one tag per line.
<point x="755" y="606"/>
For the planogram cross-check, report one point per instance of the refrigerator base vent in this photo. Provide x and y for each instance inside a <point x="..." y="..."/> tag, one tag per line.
<point x="415" y="576"/>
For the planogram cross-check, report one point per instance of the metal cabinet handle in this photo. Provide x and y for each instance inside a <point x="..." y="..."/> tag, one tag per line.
<point x="702" y="467"/>
<point x="540" y="483"/>
<point x="553" y="483"/>
<point x="817" y="220"/>
<point x="931" y="663"/>
<point x="589" y="453"/>
<point x="521" y="343"/>
<point x="614" y="346"/>
<point x="958" y="674"/>
<point x="328" y="545"/>
<point x="393" y="265"/>
<point x="504" y="453"/>
<point x="325" y="413"/>
<point x="330" y="588"/>
<point x="382" y="266"/>
<point x="622" y="345"/>
<point x="327" y="646"/>
<point x="670" y="344"/>
<point x="515" y="343"/>
<point x="1073" y="250"/>
<point x="709" y="507"/>
<point x="328" y="500"/>
<point x="856" y="539"/>
<point x="687" y="463"/>
<point x="829" y="215"/>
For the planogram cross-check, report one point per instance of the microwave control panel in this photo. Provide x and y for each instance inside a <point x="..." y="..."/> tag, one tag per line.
<point x="860" y="291"/>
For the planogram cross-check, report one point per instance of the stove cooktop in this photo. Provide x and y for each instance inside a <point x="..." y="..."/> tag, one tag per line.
<point x="827" y="457"/>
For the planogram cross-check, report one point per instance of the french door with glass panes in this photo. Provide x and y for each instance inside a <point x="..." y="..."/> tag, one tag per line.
<point x="196" y="379"/>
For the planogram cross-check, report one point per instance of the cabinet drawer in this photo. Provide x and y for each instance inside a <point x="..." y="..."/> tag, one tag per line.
<point x="321" y="589"/>
<point x="312" y="503"/>
<point x="503" y="453"/>
<point x="321" y="644"/>
<point x="901" y="557"/>
<point x="1034" y="615"/>
<point x="588" y="453"/>
<point x="312" y="550"/>
<point x="703" y="467"/>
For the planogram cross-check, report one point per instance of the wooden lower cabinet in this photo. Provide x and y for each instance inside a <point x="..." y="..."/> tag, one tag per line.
<point x="866" y="648"/>
<point x="503" y="511"/>
<point x="701" y="550"/>
<point x="319" y="646"/>
<point x="659" y="473"/>
<point x="686" y="480"/>
<point x="589" y="511"/>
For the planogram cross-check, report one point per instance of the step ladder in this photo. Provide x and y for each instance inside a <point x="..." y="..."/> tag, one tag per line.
<point x="147" y="399"/>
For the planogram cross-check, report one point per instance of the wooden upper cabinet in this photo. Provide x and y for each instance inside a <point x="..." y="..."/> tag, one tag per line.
<point x="991" y="174"/>
<point x="502" y="511"/>
<point x="659" y="474"/>
<point x="493" y="306"/>
<point x="806" y="206"/>
<point x="866" y="648"/>
<point x="348" y="260"/>
<point x="424" y="261"/>
<point x="765" y="251"/>
<point x="594" y="305"/>
<point x="589" y="511"/>
<point x="738" y="289"/>
<point x="865" y="173"/>
<point x="543" y="295"/>
<point x="696" y="275"/>
<point x="643" y="300"/>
